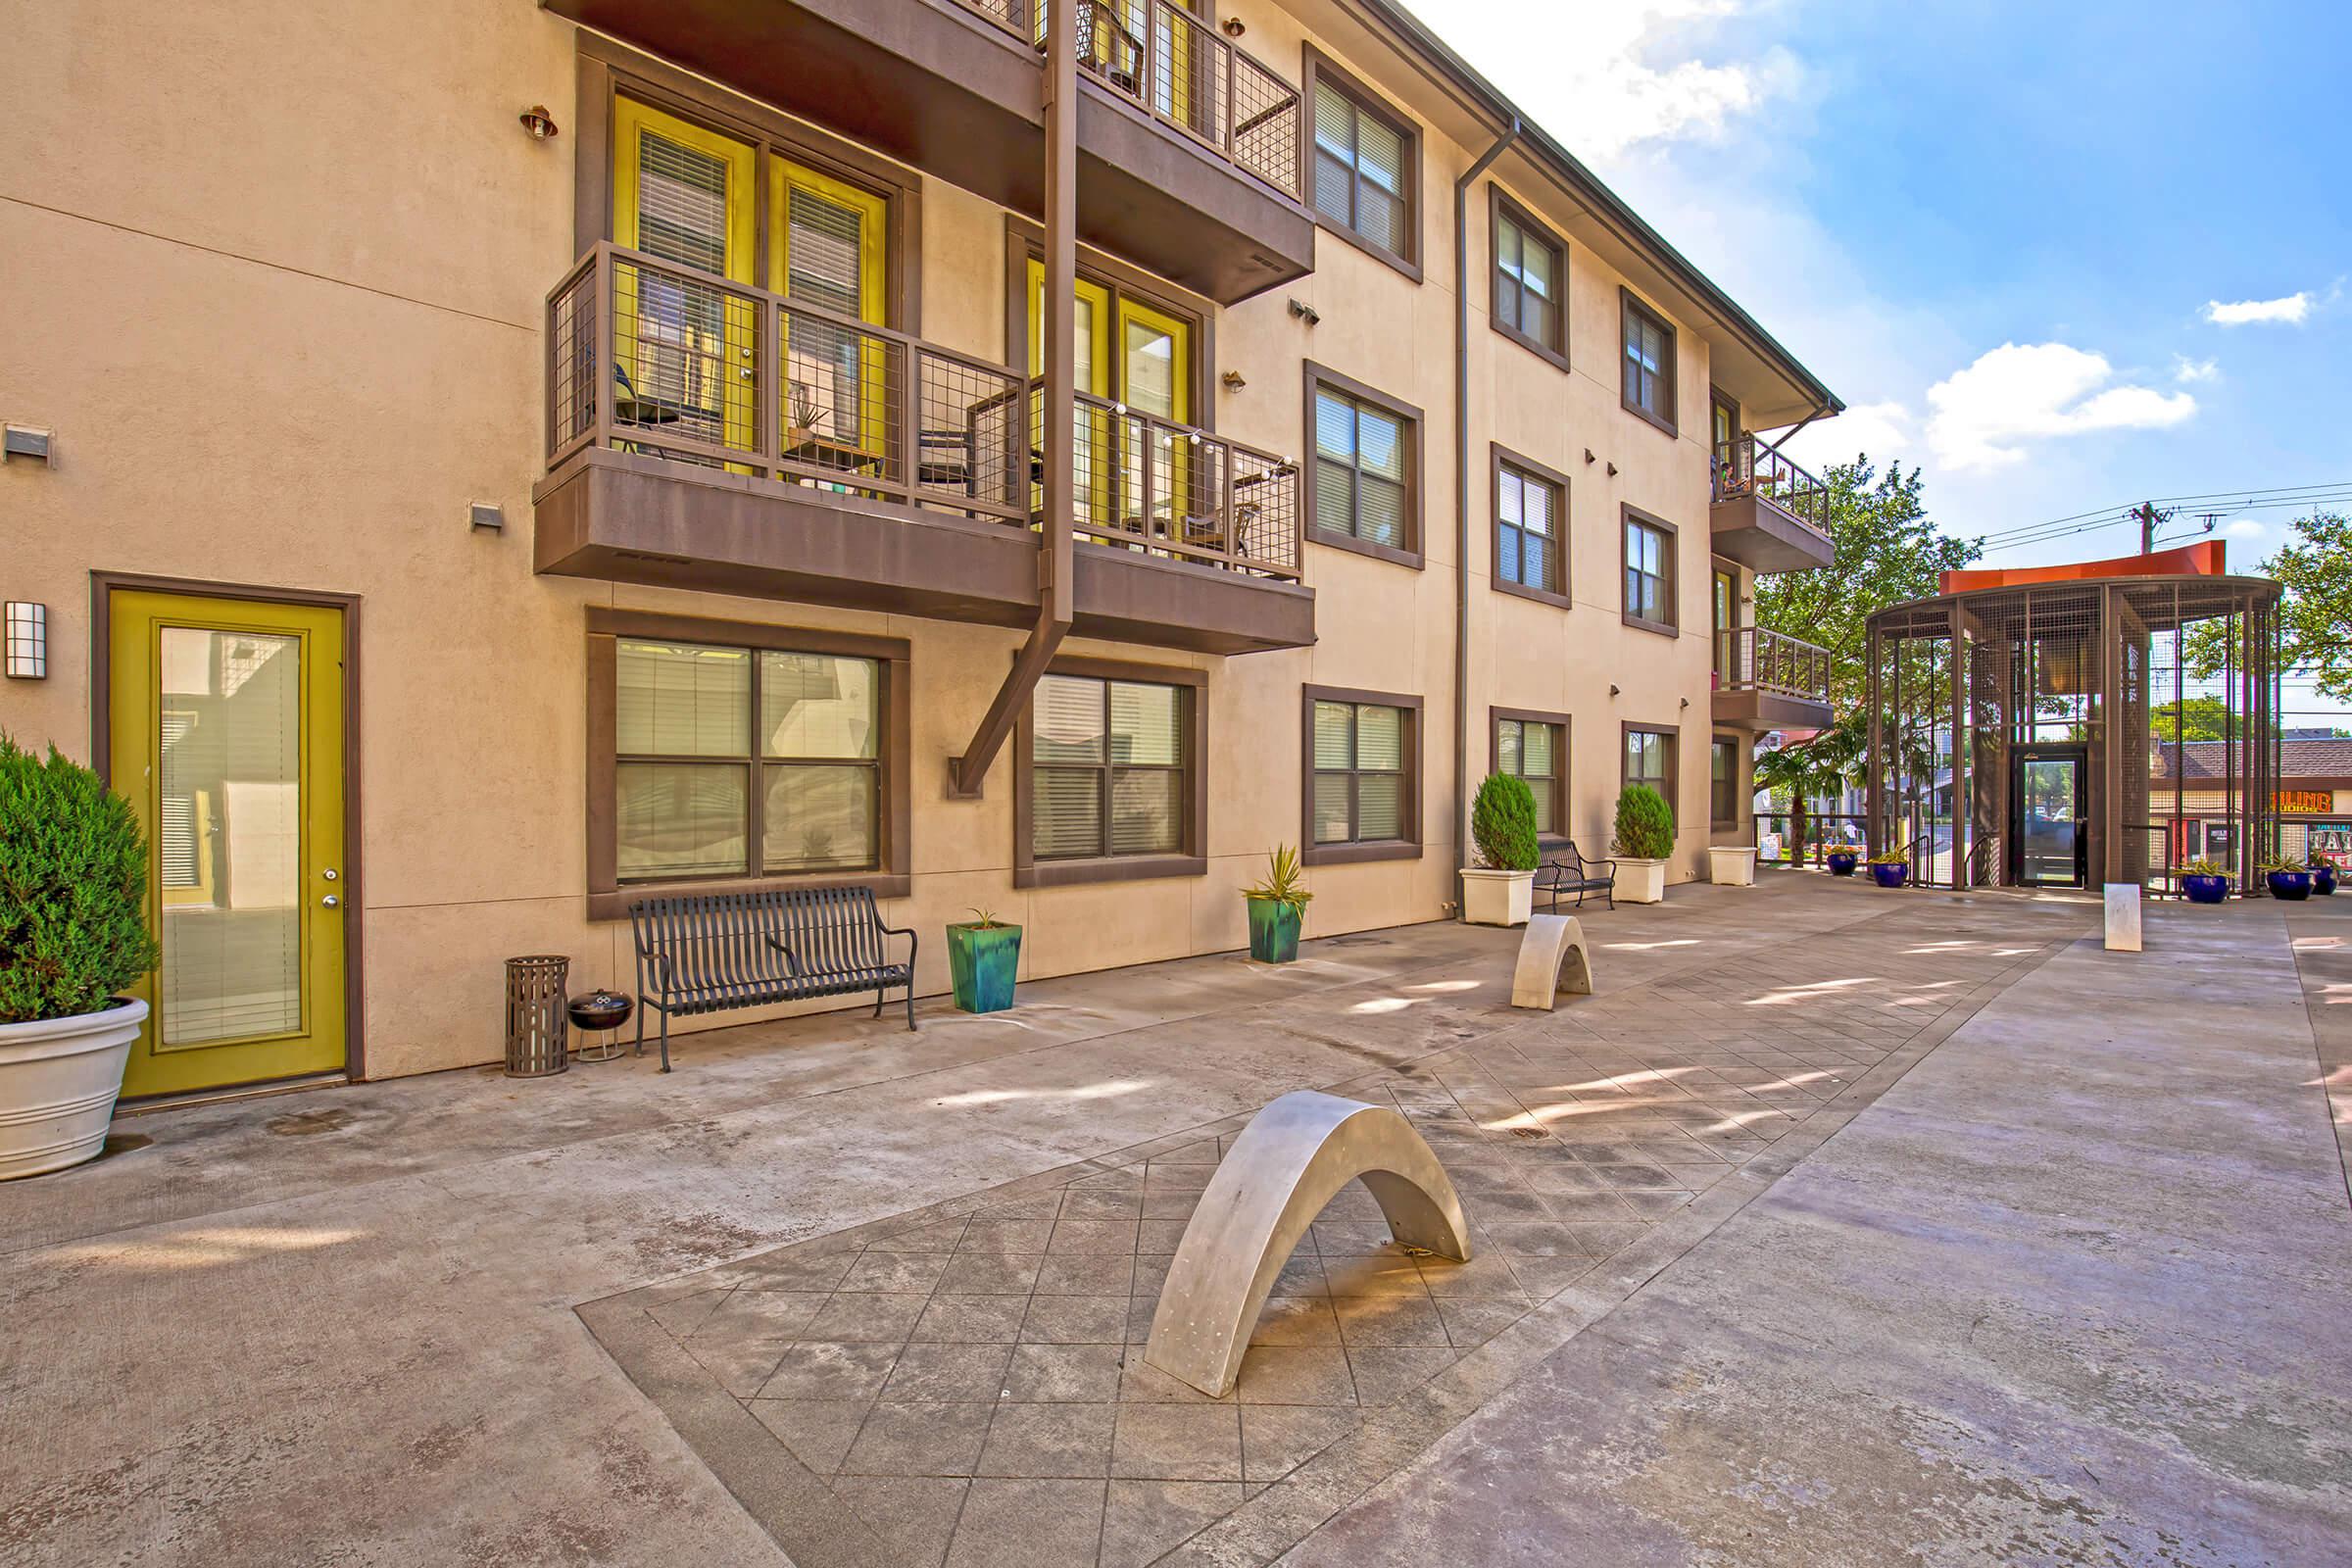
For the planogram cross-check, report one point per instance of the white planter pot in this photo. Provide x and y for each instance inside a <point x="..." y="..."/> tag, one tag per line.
<point x="1731" y="865"/>
<point x="58" y="1081"/>
<point x="1498" y="898"/>
<point x="1640" y="881"/>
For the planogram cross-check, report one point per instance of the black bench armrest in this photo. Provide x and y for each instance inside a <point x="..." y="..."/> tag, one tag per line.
<point x="913" y="942"/>
<point x="791" y="957"/>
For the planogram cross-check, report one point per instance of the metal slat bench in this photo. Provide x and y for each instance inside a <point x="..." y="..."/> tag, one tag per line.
<point x="707" y="952"/>
<point x="1567" y="872"/>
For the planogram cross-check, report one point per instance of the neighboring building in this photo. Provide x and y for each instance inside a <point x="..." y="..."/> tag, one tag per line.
<point x="454" y="527"/>
<point x="2196" y="814"/>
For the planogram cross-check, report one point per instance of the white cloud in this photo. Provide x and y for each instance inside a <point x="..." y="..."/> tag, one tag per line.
<point x="2034" y="392"/>
<point x="2243" y="528"/>
<point x="1886" y="431"/>
<point x="1605" y="76"/>
<point x="2186" y="371"/>
<point x="2292" y="311"/>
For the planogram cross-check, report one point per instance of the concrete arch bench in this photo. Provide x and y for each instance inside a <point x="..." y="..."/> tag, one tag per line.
<point x="1289" y="1162"/>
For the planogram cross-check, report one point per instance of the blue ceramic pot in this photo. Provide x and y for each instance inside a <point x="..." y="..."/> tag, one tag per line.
<point x="1273" y="930"/>
<point x="1842" y="862"/>
<point x="1890" y="876"/>
<point x="981" y="962"/>
<point x="2205" y="889"/>
<point x="2292" y="886"/>
<point x="2323" y="879"/>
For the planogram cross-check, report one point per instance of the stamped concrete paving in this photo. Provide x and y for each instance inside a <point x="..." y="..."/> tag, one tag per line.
<point x="340" y="1326"/>
<point x="2076" y="1290"/>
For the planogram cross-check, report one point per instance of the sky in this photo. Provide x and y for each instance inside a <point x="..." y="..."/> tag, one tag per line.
<point x="2060" y="254"/>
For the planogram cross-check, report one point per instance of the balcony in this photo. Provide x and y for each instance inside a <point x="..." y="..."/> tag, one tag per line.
<point x="1764" y="680"/>
<point x="1188" y="147"/>
<point x="705" y="435"/>
<point x="1768" y="514"/>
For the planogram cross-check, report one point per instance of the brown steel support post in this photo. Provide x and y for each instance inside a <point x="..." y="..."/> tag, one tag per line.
<point x="1874" y="757"/>
<point x="1058" y="439"/>
<point x="1960" y="761"/>
<point x="2107" y="818"/>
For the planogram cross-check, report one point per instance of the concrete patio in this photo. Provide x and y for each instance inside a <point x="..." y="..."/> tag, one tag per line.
<point x="1837" y="1226"/>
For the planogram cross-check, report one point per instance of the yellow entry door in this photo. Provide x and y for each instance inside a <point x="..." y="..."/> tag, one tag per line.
<point x="227" y="736"/>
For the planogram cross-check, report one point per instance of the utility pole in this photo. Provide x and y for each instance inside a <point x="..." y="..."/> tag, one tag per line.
<point x="2151" y="519"/>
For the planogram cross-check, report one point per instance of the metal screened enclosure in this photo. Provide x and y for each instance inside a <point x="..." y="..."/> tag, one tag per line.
<point x="2019" y="734"/>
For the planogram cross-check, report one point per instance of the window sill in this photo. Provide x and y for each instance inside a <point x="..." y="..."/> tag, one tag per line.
<point x="1648" y="418"/>
<point x="1534" y="345"/>
<point x="613" y="904"/>
<point x="1643" y="623"/>
<point x="1353" y="854"/>
<point x="1520" y="589"/>
<point x="1365" y="547"/>
<point x="1379" y="253"/>
<point x="1107" y="868"/>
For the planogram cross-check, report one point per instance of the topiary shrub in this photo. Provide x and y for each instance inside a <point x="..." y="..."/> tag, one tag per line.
<point x="72" y="889"/>
<point x="1645" y="824"/>
<point x="1502" y="823"/>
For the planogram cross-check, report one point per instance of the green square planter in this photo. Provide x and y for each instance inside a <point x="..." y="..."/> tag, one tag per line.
<point x="1273" y="930"/>
<point x="981" y="962"/>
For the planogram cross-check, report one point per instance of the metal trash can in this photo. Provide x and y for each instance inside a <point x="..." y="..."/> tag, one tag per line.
<point x="538" y="1036"/>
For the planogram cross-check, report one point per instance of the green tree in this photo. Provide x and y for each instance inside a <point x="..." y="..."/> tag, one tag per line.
<point x="2201" y="718"/>
<point x="1886" y="551"/>
<point x="2315" y="618"/>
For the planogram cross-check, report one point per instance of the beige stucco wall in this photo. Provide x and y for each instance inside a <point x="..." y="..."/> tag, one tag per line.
<point x="285" y="334"/>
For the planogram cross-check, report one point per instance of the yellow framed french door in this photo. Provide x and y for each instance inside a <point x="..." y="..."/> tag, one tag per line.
<point x="1155" y="375"/>
<point x="831" y="250"/>
<point x="225" y="732"/>
<point x="1093" y="361"/>
<point x="687" y="352"/>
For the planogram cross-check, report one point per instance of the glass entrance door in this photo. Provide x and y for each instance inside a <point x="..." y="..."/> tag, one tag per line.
<point x="2046" y="807"/>
<point x="227" y="736"/>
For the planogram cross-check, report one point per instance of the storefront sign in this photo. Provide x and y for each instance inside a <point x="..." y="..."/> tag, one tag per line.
<point x="2306" y="803"/>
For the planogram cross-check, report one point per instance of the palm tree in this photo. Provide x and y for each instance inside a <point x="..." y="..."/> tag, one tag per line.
<point x="1822" y="765"/>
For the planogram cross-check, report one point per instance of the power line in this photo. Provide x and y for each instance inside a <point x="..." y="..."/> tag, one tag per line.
<point x="2260" y="497"/>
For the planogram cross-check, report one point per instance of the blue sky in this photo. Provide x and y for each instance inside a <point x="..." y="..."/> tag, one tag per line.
<point x="1999" y="229"/>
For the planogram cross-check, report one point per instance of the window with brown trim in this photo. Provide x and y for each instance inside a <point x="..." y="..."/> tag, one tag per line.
<point x="1531" y="281"/>
<point x="1649" y="759"/>
<point x="1531" y="517"/>
<point x="1649" y="573"/>
<point x="1363" y="167"/>
<point x="1534" y="748"/>
<point x="1363" y="775"/>
<point x="724" y="753"/>
<point x="1109" y="781"/>
<point x="1364" y="493"/>
<point x="1723" y="782"/>
<point x="1649" y="364"/>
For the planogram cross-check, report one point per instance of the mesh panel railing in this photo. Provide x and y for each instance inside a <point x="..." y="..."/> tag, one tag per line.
<point x="1755" y="658"/>
<point x="1775" y="837"/>
<point x="1171" y="490"/>
<point x="1741" y="469"/>
<point x="1177" y="66"/>
<point x="701" y="370"/>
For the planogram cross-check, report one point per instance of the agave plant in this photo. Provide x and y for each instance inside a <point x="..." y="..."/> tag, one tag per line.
<point x="1283" y="882"/>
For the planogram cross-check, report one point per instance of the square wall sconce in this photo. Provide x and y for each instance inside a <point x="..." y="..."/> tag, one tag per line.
<point x="27" y="640"/>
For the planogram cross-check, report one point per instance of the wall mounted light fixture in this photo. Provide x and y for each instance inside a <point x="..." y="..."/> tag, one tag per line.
<point x="1234" y="27"/>
<point x="1233" y="381"/>
<point x="1305" y="312"/>
<point x="539" y="123"/>
<point x="27" y="640"/>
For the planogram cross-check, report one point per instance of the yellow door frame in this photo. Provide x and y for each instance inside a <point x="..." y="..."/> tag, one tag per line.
<point x="873" y="274"/>
<point x="1178" y="332"/>
<point x="136" y="620"/>
<point x="631" y="122"/>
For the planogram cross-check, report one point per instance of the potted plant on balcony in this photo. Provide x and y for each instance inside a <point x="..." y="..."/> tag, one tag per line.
<point x="984" y="955"/>
<point x="2288" y="880"/>
<point x="1277" y="908"/>
<point x="1890" y="868"/>
<point x="2205" y="882"/>
<point x="1842" y="859"/>
<point x="72" y="936"/>
<point x="2323" y="874"/>
<point x="1643" y="843"/>
<point x="1500" y="889"/>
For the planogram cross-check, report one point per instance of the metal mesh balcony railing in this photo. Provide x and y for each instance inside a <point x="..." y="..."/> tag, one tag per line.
<point x="701" y="370"/>
<point x="1753" y="659"/>
<point x="1171" y="490"/>
<point x="1179" y="67"/>
<point x="668" y="361"/>
<point x="1743" y="468"/>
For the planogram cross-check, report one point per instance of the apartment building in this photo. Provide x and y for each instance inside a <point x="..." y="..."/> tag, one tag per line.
<point x="498" y="459"/>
